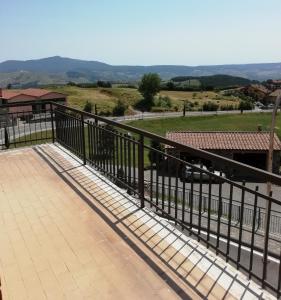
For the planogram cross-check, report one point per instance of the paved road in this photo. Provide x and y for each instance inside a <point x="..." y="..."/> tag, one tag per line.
<point x="150" y="115"/>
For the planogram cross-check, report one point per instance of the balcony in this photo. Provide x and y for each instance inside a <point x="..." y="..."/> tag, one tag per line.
<point x="86" y="214"/>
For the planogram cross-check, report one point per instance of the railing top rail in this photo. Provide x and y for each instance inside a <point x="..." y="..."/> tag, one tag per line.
<point x="276" y="179"/>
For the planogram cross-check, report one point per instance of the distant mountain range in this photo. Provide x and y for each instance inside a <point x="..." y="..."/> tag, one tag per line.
<point x="60" y="70"/>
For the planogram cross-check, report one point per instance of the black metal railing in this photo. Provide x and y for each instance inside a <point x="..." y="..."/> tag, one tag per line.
<point x="234" y="218"/>
<point x="21" y="125"/>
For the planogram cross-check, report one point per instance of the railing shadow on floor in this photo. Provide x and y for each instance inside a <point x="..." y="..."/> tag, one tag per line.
<point x="145" y="227"/>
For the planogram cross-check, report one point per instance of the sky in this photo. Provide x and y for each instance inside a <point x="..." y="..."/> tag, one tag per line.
<point x="146" y="32"/>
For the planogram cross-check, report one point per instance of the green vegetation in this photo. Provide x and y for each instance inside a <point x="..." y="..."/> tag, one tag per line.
<point x="196" y="100"/>
<point x="105" y="98"/>
<point x="149" y="87"/>
<point x="244" y="122"/>
<point x="208" y="83"/>
<point x="88" y="107"/>
<point x="119" y="109"/>
<point x="210" y="106"/>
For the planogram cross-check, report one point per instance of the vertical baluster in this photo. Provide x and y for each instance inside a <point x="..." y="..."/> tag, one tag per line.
<point x="219" y="214"/>
<point x="40" y="125"/>
<point x="95" y="144"/>
<point x="134" y="164"/>
<point x="163" y="183"/>
<point x="176" y="190"/>
<point x="114" y="153"/>
<point x="183" y="202"/>
<point x="191" y="199"/>
<point x="121" y="170"/>
<point x="209" y="208"/>
<point x="117" y="153"/>
<point x="241" y="225"/>
<point x="157" y="179"/>
<point x="279" y="277"/>
<point x="90" y="141"/>
<point x="266" y="239"/>
<point x="151" y="181"/>
<point x="141" y="170"/>
<point x="25" y="142"/>
<point x="253" y="232"/>
<point x="200" y="202"/>
<point x="111" y="152"/>
<point x="229" y="221"/>
<point x="125" y="158"/>
<point x="169" y="186"/>
<point x="129" y="162"/>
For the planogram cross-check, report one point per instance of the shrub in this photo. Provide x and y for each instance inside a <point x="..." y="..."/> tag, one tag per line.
<point x="163" y="101"/>
<point x="210" y="106"/>
<point x="227" y="107"/>
<point x="105" y="113"/>
<point x="158" y="109"/>
<point x="245" y="105"/>
<point x="154" y="156"/>
<point x="88" y="107"/>
<point x="119" y="109"/>
<point x="103" y="84"/>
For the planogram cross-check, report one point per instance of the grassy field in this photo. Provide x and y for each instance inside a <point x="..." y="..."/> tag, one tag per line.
<point x="200" y="98"/>
<point x="244" y="122"/>
<point x="106" y="98"/>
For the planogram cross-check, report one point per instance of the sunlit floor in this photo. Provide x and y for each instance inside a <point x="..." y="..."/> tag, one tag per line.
<point x="67" y="233"/>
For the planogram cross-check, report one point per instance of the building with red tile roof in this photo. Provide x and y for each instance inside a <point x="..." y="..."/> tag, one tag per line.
<point x="30" y="95"/>
<point x="246" y="147"/>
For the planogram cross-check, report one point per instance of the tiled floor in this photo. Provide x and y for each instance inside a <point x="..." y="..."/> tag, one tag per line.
<point x="68" y="234"/>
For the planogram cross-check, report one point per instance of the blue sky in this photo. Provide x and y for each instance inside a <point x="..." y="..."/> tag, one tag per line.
<point x="189" y="32"/>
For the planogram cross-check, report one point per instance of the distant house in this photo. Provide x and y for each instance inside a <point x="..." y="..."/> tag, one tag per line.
<point x="246" y="147"/>
<point x="271" y="98"/>
<point x="30" y="95"/>
<point x="256" y="91"/>
<point x="273" y="84"/>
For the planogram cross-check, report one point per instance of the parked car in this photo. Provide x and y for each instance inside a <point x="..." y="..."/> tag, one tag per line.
<point x="189" y="172"/>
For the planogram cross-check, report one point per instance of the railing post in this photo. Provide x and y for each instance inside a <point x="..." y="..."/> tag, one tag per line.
<point x="52" y="121"/>
<point x="141" y="171"/>
<point x="6" y="136"/>
<point x="83" y="139"/>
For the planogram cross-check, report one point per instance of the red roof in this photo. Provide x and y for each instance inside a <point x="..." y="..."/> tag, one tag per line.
<point x="9" y="94"/>
<point x="222" y="140"/>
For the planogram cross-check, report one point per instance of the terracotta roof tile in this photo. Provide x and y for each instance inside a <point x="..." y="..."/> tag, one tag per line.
<point x="37" y="93"/>
<point x="221" y="140"/>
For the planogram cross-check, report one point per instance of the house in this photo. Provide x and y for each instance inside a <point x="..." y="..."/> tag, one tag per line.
<point x="246" y="147"/>
<point x="273" y="84"/>
<point x="29" y="95"/>
<point x="257" y="91"/>
<point x="271" y="98"/>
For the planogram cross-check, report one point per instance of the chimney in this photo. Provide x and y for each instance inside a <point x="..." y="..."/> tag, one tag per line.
<point x="0" y="92"/>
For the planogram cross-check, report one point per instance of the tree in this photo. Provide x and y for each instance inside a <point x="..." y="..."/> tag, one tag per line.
<point x="9" y="86"/>
<point x="245" y="105"/>
<point x="119" y="109"/>
<point x="149" y="87"/>
<point x="154" y="156"/>
<point x="88" y="107"/>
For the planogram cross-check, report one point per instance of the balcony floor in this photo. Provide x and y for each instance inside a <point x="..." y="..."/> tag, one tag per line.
<point x="68" y="233"/>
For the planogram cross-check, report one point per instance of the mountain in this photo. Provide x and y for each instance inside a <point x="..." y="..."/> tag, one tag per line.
<point x="60" y="70"/>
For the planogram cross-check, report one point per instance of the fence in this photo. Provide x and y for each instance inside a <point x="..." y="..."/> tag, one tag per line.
<point x="275" y="219"/>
